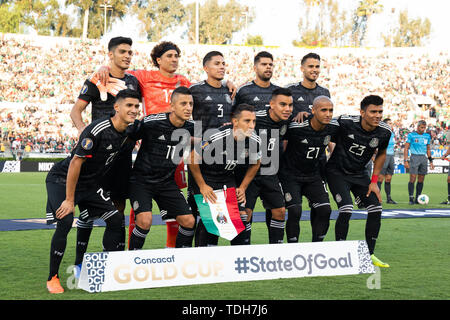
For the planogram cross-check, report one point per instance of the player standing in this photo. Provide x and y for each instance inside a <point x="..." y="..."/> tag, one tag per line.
<point x="304" y="93"/>
<point x="116" y="180"/>
<point x="357" y="140"/>
<point x="418" y="143"/>
<point x="213" y="167"/>
<point x="164" y="136"/>
<point x="300" y="169"/>
<point x="258" y="92"/>
<point x="212" y="109"/>
<point x="389" y="165"/>
<point x="75" y="181"/>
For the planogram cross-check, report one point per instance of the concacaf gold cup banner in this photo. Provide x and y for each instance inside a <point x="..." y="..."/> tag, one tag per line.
<point x="124" y="270"/>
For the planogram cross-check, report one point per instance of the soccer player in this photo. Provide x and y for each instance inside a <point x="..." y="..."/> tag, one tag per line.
<point x="271" y="126"/>
<point x="305" y="91"/>
<point x="164" y="136"/>
<point x="357" y="140"/>
<point x="119" y="53"/>
<point x="388" y="168"/>
<point x="258" y="92"/>
<point x="116" y="180"/>
<point x="75" y="181"/>
<point x="300" y="169"/>
<point x="444" y="157"/>
<point x="213" y="167"/>
<point x="212" y="99"/>
<point x="418" y="143"/>
<point x="212" y="109"/>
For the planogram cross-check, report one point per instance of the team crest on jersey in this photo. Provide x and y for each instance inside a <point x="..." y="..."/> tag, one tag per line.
<point x="228" y="98"/>
<point x="326" y="140"/>
<point x="135" y="205"/>
<point x="87" y="144"/>
<point x="288" y="196"/>
<point x="131" y="87"/>
<point x="178" y="84"/>
<point x="84" y="89"/>
<point x="283" y="130"/>
<point x="373" y="143"/>
<point x="338" y="198"/>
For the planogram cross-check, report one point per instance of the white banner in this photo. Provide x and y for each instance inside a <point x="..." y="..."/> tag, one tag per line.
<point x="124" y="270"/>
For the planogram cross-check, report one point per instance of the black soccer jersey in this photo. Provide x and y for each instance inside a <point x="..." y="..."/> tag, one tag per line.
<point x="89" y="93"/>
<point x="254" y="95"/>
<point x="271" y="134"/>
<point x="162" y="148"/>
<point x="356" y="146"/>
<point x="221" y="154"/>
<point x="304" y="149"/>
<point x="100" y="144"/>
<point x="304" y="97"/>
<point x="212" y="106"/>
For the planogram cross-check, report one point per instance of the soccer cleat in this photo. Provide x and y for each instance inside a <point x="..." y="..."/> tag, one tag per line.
<point x="391" y="201"/>
<point x="53" y="286"/>
<point x="445" y="202"/>
<point x="377" y="262"/>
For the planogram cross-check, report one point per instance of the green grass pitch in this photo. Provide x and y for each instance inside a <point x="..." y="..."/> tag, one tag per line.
<point x="416" y="248"/>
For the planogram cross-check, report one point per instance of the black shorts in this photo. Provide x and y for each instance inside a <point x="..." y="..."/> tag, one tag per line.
<point x="315" y="191"/>
<point x="194" y="189"/>
<point x="116" y="180"/>
<point x="341" y="185"/>
<point x="93" y="203"/>
<point x="268" y="188"/>
<point x="167" y="196"/>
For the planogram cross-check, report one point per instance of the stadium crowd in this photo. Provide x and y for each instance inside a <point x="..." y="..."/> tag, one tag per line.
<point x="40" y="78"/>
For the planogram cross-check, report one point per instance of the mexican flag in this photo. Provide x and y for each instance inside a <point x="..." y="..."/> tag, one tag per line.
<point x="221" y="218"/>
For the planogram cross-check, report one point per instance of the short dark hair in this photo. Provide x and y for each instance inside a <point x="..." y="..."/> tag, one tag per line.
<point x="128" y="93"/>
<point x="211" y="54"/>
<point x="387" y="119"/>
<point x="262" y="54"/>
<point x="310" y="55"/>
<point x="241" y="107"/>
<point x="281" y="92"/>
<point x="421" y="122"/>
<point x="160" y="49"/>
<point x="180" y="90"/>
<point x="114" y="42"/>
<point x="371" y="99"/>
